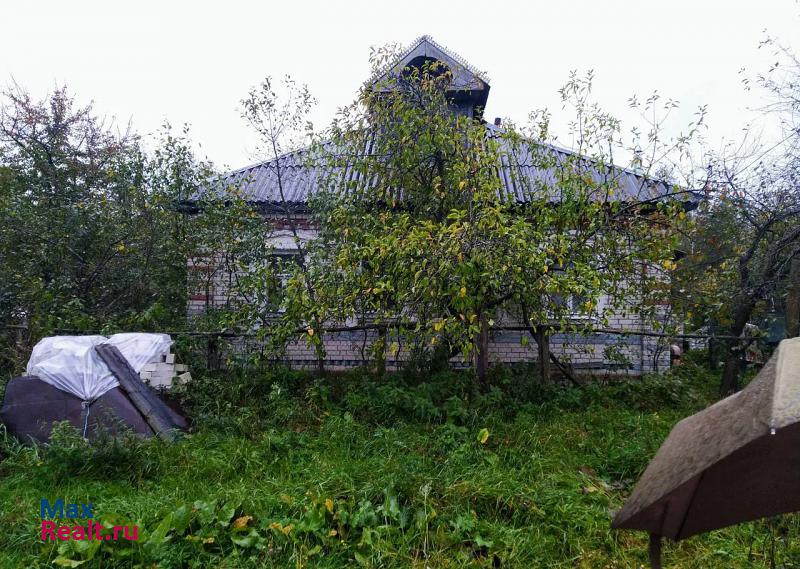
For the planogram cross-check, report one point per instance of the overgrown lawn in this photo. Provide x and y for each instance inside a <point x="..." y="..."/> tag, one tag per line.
<point x="286" y="471"/>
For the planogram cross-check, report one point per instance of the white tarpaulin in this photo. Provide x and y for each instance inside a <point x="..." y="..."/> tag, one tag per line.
<point x="71" y="364"/>
<point x="141" y="349"/>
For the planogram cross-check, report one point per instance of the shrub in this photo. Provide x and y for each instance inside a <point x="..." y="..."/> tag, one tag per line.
<point x="124" y="456"/>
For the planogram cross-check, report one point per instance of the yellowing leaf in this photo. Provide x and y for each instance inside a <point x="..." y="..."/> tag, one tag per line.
<point x="241" y="522"/>
<point x="310" y="331"/>
<point x="483" y="436"/>
<point x="463" y="292"/>
<point x="329" y="505"/>
<point x="333" y="533"/>
<point x="462" y="184"/>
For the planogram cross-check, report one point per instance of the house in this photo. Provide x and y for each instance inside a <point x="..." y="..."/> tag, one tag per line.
<point x="284" y="185"/>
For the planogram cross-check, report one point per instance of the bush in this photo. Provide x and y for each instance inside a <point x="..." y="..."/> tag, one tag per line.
<point x="247" y="404"/>
<point x="124" y="456"/>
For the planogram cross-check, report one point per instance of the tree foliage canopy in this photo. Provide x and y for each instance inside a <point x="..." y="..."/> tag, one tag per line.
<point x="418" y="230"/>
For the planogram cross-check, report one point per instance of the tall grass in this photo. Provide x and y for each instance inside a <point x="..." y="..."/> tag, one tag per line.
<point x="283" y="470"/>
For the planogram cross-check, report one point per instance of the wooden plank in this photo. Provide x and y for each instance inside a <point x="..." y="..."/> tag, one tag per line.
<point x="140" y="395"/>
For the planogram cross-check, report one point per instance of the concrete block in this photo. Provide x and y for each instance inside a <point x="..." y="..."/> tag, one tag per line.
<point x="160" y="382"/>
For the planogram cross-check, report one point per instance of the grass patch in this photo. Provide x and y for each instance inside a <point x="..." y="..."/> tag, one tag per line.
<point x="287" y="471"/>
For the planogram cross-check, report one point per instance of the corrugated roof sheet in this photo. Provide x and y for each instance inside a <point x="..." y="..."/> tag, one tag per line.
<point x="293" y="177"/>
<point x="426" y="45"/>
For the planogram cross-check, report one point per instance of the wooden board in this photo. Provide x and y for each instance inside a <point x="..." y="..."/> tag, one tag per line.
<point x="148" y="404"/>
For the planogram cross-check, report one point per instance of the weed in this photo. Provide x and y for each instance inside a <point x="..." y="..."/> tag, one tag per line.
<point x="285" y="470"/>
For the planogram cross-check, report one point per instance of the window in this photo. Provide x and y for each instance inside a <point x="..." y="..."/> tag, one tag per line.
<point x="273" y="284"/>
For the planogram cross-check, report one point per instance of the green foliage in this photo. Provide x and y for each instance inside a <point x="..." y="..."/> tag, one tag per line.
<point x="81" y="224"/>
<point x="96" y="231"/>
<point x="422" y="235"/>
<point x="91" y="236"/>
<point x="124" y="457"/>
<point x="374" y="471"/>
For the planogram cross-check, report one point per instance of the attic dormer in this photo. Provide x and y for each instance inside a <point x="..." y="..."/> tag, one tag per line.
<point x="469" y="88"/>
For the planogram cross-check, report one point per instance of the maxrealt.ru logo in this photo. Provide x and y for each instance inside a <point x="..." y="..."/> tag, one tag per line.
<point x="74" y="512"/>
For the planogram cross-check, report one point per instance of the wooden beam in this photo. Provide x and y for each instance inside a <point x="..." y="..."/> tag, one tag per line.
<point x="145" y="401"/>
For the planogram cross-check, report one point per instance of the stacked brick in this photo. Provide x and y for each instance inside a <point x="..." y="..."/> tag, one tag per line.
<point x="163" y="372"/>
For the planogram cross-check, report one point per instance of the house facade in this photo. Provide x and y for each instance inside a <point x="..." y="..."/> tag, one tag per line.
<point x="627" y="344"/>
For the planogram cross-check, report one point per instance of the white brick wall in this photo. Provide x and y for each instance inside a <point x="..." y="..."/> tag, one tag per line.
<point x="597" y="353"/>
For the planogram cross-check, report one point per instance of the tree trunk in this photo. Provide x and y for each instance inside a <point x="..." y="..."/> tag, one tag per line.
<point x="734" y="350"/>
<point x="320" y="359"/>
<point x="712" y="354"/>
<point x="793" y="300"/>
<point x="482" y="349"/>
<point x="213" y="359"/>
<point x="380" y="351"/>
<point x="319" y="348"/>
<point x="543" y="343"/>
<point x="730" y="372"/>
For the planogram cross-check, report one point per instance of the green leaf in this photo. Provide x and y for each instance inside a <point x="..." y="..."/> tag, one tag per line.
<point x="205" y="511"/>
<point x="65" y="562"/>
<point x="252" y="539"/>
<point x="225" y="514"/>
<point x="159" y="535"/>
<point x="181" y="517"/>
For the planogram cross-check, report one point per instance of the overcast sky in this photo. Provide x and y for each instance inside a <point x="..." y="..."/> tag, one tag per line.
<point x="192" y="62"/>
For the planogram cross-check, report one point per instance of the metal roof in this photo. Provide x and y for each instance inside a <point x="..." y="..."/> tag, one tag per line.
<point x="465" y="73"/>
<point x="297" y="175"/>
<point x="293" y="177"/>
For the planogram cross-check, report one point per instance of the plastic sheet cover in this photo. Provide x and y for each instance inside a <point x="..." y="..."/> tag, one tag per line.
<point x="70" y="363"/>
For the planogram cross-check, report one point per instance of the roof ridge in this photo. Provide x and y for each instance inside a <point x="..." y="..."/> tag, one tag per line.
<point x="286" y="154"/>
<point x="386" y="67"/>
<point x="460" y="59"/>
